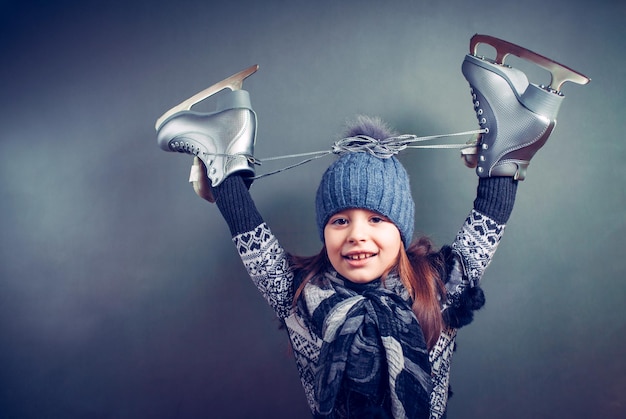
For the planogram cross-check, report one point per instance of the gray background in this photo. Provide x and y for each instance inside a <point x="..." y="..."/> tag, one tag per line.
<point x="121" y="295"/>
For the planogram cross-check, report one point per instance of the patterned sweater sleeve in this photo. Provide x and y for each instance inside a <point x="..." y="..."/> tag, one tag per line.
<point x="474" y="246"/>
<point x="265" y="260"/>
<point x="268" y="266"/>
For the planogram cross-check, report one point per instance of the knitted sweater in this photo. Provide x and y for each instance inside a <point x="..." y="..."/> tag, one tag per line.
<point x="465" y="260"/>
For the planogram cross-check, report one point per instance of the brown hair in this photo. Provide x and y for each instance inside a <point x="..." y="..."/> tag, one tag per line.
<point x="418" y="274"/>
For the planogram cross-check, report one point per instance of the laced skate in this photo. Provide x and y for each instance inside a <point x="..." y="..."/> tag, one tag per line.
<point x="224" y="139"/>
<point x="518" y="116"/>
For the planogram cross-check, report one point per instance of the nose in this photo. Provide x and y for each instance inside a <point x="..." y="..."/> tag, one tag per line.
<point x="357" y="231"/>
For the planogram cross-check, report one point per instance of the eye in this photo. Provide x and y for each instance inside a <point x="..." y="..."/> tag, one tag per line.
<point x="377" y="219"/>
<point x="339" y="221"/>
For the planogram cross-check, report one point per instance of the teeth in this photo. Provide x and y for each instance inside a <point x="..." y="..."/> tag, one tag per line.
<point x="359" y="256"/>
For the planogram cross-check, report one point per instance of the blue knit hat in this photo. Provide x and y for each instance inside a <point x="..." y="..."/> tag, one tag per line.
<point x="362" y="180"/>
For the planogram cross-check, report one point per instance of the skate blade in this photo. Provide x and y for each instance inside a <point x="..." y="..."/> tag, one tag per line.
<point x="559" y="73"/>
<point x="234" y="82"/>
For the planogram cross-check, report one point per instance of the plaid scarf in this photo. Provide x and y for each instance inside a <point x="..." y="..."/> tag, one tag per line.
<point x="370" y="334"/>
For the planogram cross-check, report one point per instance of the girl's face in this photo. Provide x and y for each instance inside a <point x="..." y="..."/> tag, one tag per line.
<point x="361" y="244"/>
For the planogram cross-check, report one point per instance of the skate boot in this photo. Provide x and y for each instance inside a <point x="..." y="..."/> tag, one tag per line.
<point x="224" y="139"/>
<point x="518" y="116"/>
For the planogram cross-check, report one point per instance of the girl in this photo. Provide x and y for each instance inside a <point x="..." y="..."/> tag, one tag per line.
<point x="373" y="317"/>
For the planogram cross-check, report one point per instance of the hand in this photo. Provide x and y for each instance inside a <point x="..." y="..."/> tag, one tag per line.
<point x="469" y="154"/>
<point x="201" y="183"/>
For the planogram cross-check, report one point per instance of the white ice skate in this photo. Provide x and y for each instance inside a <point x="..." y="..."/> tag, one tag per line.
<point x="518" y="116"/>
<point x="224" y="139"/>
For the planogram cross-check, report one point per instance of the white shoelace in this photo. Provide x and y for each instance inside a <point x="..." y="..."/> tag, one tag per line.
<point x="379" y="148"/>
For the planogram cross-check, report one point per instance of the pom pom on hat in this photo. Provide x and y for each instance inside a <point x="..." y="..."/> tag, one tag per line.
<point x="371" y="126"/>
<point x="362" y="180"/>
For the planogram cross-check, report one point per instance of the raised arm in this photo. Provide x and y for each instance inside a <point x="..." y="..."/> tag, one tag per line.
<point x="517" y="118"/>
<point x="482" y="231"/>
<point x="263" y="257"/>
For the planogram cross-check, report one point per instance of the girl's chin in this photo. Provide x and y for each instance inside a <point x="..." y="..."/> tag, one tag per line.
<point x="357" y="279"/>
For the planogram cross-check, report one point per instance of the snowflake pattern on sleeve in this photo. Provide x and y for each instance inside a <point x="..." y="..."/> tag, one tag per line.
<point x="267" y="264"/>
<point x="476" y="243"/>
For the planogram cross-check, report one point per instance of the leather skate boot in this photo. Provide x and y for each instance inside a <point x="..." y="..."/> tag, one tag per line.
<point x="518" y="116"/>
<point x="224" y="140"/>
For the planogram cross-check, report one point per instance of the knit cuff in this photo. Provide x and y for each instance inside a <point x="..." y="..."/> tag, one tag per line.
<point x="495" y="197"/>
<point x="236" y="205"/>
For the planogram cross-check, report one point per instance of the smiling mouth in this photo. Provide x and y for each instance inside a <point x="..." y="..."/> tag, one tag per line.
<point x="360" y="256"/>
